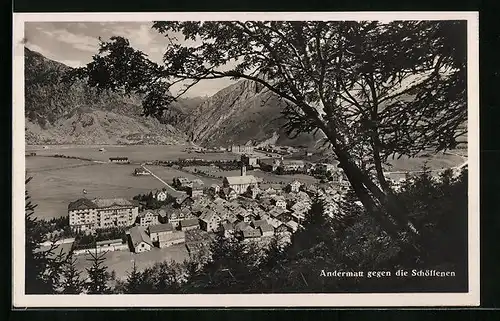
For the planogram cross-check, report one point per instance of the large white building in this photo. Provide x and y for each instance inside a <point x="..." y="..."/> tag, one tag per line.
<point x="88" y="215"/>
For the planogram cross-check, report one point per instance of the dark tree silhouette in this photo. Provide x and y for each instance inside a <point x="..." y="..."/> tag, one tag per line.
<point x="98" y="275"/>
<point x="134" y="281"/>
<point x="43" y="265"/>
<point x="72" y="282"/>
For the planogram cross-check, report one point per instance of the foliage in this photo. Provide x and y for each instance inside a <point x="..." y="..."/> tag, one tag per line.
<point x="98" y="275"/>
<point x="72" y="282"/>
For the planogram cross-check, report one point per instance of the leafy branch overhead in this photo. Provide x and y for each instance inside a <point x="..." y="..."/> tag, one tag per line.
<point x="403" y="80"/>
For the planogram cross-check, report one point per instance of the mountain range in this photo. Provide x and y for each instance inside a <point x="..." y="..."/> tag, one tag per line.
<point x="59" y="113"/>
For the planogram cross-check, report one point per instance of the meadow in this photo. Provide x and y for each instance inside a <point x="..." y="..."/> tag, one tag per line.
<point x="53" y="189"/>
<point x="122" y="261"/>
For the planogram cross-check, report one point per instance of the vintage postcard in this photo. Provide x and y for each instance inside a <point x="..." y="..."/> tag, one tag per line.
<point x="246" y="159"/>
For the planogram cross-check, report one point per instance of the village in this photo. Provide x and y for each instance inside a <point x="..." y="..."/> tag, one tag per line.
<point x="188" y="212"/>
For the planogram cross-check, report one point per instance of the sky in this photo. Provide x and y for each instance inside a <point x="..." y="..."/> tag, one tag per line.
<point x="74" y="44"/>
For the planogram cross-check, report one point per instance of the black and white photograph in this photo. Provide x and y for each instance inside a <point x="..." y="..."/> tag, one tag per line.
<point x="172" y="158"/>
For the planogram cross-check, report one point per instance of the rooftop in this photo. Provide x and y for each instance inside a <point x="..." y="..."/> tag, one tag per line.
<point x="161" y="228"/>
<point x="240" y="180"/>
<point x="266" y="228"/>
<point x="189" y="222"/>
<point x="109" y="202"/>
<point x="82" y="203"/>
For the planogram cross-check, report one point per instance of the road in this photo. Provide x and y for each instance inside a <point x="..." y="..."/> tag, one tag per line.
<point x="173" y="190"/>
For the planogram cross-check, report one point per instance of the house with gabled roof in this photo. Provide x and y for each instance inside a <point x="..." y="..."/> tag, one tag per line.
<point x="189" y="224"/>
<point x="139" y="240"/>
<point x="294" y="226"/>
<point x="228" y="230"/>
<point x="209" y="221"/>
<point x="147" y="218"/>
<point x="228" y="193"/>
<point x="156" y="231"/>
<point x="257" y="223"/>
<point x="294" y="187"/>
<point x="266" y="230"/>
<point x="279" y="201"/>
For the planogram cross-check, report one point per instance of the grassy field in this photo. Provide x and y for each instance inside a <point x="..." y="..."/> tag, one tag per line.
<point x="168" y="174"/>
<point x="122" y="261"/>
<point x="54" y="189"/>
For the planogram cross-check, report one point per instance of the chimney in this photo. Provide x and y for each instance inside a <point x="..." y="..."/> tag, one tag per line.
<point x="243" y="170"/>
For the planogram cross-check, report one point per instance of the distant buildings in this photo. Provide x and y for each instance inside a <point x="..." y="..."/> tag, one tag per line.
<point x="111" y="245"/>
<point x="241" y="149"/>
<point x="291" y="165"/>
<point x="169" y="239"/>
<point x="119" y="160"/>
<point x="269" y="164"/>
<point x="88" y="215"/>
<point x="195" y="189"/>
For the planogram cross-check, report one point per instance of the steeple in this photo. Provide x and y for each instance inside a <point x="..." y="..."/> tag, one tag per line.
<point x="243" y="170"/>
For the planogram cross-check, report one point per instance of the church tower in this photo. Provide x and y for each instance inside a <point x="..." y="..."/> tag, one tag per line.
<point x="243" y="170"/>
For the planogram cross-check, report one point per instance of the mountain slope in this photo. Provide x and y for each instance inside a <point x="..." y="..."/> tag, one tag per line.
<point x="241" y="113"/>
<point x="58" y="113"/>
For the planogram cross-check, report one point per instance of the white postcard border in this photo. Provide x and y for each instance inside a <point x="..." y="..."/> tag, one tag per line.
<point x="243" y="300"/>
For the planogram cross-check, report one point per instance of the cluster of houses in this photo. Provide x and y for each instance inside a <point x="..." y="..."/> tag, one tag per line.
<point x="143" y="239"/>
<point x="280" y="164"/>
<point x="242" y="206"/>
<point x="281" y="150"/>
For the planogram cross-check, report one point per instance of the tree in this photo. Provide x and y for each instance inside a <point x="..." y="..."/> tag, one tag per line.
<point x="231" y="268"/>
<point x="98" y="275"/>
<point x="43" y="265"/>
<point x="133" y="282"/>
<point x="374" y="89"/>
<point x="72" y="282"/>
